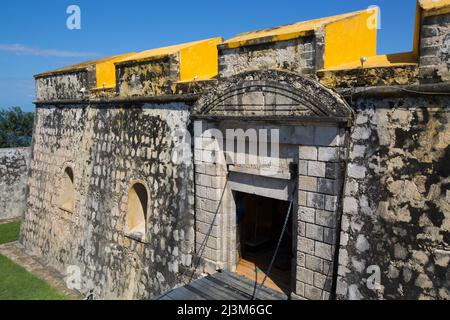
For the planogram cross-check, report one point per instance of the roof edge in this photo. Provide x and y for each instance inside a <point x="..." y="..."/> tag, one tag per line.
<point x="263" y="38"/>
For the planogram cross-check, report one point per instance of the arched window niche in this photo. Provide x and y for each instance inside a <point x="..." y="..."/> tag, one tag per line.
<point x="67" y="193"/>
<point x="137" y="207"/>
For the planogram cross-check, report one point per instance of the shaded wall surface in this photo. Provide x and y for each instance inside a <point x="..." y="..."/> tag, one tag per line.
<point x="14" y="165"/>
<point x="108" y="149"/>
<point x="396" y="207"/>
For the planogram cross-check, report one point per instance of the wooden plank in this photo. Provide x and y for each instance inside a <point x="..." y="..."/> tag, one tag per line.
<point x="248" y="286"/>
<point x="164" y="297"/>
<point x="268" y="291"/>
<point x="224" y="291"/>
<point x="212" y="292"/>
<point x="221" y="286"/>
<point x="198" y="292"/>
<point x="247" y="269"/>
<point x="239" y="294"/>
<point x="227" y="286"/>
<point x="243" y="285"/>
<point x="183" y="293"/>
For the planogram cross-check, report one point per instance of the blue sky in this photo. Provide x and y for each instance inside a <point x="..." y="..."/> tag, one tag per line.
<point x="34" y="37"/>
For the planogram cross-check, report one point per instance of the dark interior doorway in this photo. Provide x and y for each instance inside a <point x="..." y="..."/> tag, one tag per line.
<point x="260" y="221"/>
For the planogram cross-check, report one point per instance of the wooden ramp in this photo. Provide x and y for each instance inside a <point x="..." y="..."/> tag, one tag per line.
<point x="221" y="286"/>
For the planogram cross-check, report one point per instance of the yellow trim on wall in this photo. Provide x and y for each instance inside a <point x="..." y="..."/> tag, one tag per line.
<point x="200" y="61"/>
<point x="350" y="39"/>
<point x="105" y="72"/>
<point x="380" y="61"/>
<point x="417" y="30"/>
<point x="282" y="33"/>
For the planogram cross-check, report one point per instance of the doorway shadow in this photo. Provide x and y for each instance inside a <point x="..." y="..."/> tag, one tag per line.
<point x="260" y="221"/>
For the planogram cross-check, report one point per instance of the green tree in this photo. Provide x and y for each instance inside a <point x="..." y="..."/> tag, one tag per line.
<point x="16" y="128"/>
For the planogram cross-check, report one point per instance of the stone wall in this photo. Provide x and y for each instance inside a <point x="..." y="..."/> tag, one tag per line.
<point x="298" y="55"/>
<point x="14" y="164"/>
<point x="320" y="186"/>
<point x="318" y="151"/>
<point x="148" y="78"/>
<point x="64" y="86"/>
<point x="435" y="49"/>
<point x="391" y="204"/>
<point x="108" y="148"/>
<point x="396" y="207"/>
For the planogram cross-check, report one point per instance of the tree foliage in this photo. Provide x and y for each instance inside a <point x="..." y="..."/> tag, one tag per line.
<point x="16" y="128"/>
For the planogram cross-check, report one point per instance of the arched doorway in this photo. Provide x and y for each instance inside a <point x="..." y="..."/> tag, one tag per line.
<point x="276" y="136"/>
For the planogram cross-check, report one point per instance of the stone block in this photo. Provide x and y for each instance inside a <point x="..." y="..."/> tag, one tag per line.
<point x="302" y="198"/>
<point x="306" y="245"/>
<point x="331" y="203"/>
<point x="323" y="250"/>
<point x="307" y="183"/>
<point x="302" y="229"/>
<point x="327" y="186"/>
<point x="314" y="232"/>
<point x="361" y="133"/>
<point x="306" y="214"/>
<point x="300" y="288"/>
<point x="322" y="281"/>
<point x="301" y="259"/>
<point x="316" y="169"/>
<point x="325" y="218"/>
<point x="313" y="263"/>
<point x="333" y="170"/>
<point x="308" y="153"/>
<point x="350" y="205"/>
<point x="356" y="171"/>
<point x="328" y="154"/>
<point x="312" y="293"/>
<point x="303" y="167"/>
<point x="315" y="200"/>
<point x="329" y="235"/>
<point x="306" y="276"/>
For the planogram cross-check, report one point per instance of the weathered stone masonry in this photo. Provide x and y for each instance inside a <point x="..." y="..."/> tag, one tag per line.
<point x="14" y="164"/>
<point x="435" y="49"/>
<point x="107" y="149"/>
<point x="395" y="207"/>
<point x="363" y="155"/>
<point x="316" y="150"/>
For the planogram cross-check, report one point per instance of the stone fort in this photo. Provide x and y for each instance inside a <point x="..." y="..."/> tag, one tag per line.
<point x="351" y="165"/>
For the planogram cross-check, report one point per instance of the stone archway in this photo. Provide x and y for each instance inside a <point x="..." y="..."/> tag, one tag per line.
<point x="279" y="94"/>
<point x="310" y="124"/>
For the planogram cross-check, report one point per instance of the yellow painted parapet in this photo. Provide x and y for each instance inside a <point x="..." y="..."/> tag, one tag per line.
<point x="347" y="36"/>
<point x="351" y="38"/>
<point x="105" y="72"/>
<point x="80" y="66"/>
<point x="282" y="33"/>
<point x="379" y="61"/>
<point x="198" y="59"/>
<point x="434" y="7"/>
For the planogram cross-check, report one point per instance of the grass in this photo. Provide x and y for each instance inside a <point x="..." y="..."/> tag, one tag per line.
<point x="16" y="283"/>
<point x="9" y="232"/>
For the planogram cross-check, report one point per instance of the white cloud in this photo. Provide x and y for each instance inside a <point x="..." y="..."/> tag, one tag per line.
<point x="21" y="49"/>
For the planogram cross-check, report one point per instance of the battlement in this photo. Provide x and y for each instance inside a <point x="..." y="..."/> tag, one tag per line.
<point x="330" y="46"/>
